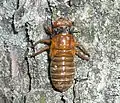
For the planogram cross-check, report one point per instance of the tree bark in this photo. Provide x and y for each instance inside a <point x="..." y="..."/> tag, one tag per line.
<point x="26" y="80"/>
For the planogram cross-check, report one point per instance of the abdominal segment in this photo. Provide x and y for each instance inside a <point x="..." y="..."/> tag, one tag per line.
<point x="62" y="72"/>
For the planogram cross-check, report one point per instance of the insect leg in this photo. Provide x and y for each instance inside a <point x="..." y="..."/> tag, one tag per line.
<point x="81" y="48"/>
<point x="47" y="41"/>
<point x="40" y="51"/>
<point x="83" y="56"/>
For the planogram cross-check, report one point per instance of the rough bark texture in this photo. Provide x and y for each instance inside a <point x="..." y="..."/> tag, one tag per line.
<point x="25" y="80"/>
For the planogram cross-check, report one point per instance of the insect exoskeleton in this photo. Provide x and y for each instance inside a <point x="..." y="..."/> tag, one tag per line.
<point x="63" y="47"/>
<point x="62" y="52"/>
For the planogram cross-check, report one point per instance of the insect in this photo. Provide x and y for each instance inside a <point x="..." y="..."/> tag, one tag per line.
<point x="62" y="48"/>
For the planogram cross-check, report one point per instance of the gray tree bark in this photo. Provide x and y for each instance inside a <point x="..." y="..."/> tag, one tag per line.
<point x="25" y="80"/>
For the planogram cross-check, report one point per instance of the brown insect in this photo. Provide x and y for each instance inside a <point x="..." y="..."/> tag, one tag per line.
<point x="62" y="48"/>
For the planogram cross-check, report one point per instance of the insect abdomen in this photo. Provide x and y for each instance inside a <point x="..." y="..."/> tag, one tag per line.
<point x="62" y="72"/>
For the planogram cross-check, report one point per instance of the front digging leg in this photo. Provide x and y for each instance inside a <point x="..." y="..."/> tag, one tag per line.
<point x="81" y="55"/>
<point x="40" y="51"/>
<point x="47" y="41"/>
<point x="82" y="49"/>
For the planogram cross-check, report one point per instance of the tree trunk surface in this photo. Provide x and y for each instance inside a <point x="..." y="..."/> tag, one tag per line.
<point x="26" y="80"/>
